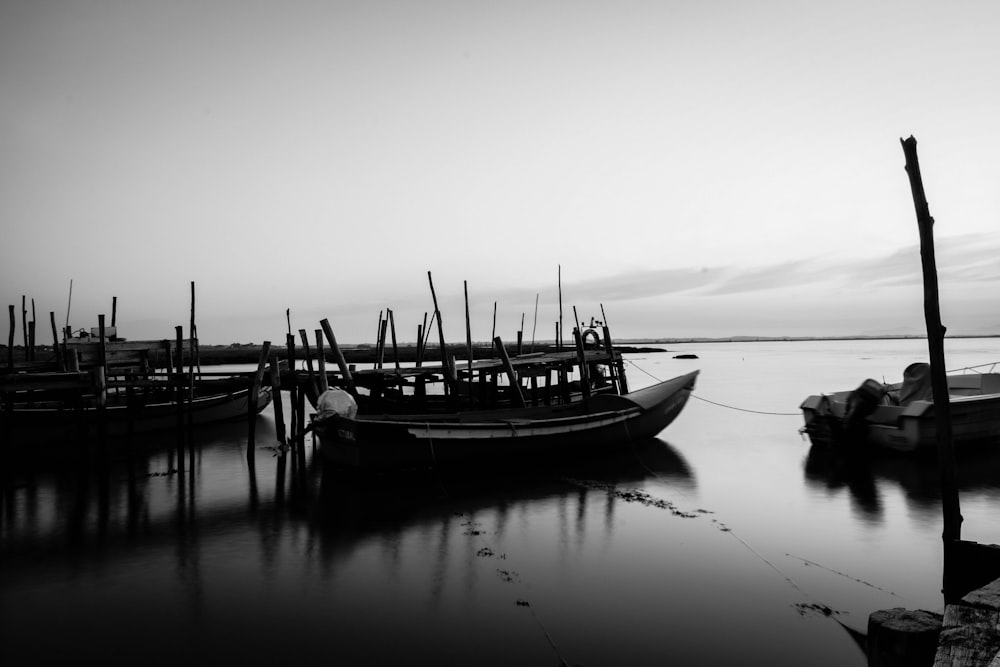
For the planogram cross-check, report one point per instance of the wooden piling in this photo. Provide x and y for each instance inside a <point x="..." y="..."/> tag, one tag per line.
<point x="421" y="328"/>
<point x="617" y="366"/>
<point x="419" y="351"/>
<point x="24" y="323"/>
<point x="309" y="364"/>
<point x="952" y="531"/>
<point x="534" y="326"/>
<point x="493" y="334"/>
<point x="339" y="356"/>
<point x="383" y="330"/>
<point x="392" y="331"/>
<point x="179" y="394"/>
<point x="559" y="342"/>
<point x="324" y="381"/>
<point x="255" y="384"/>
<point x="101" y="386"/>
<point x="581" y="359"/>
<point x="60" y="363"/>
<point x="10" y="340"/>
<point x="515" y="385"/>
<point x="450" y="388"/>
<point x="31" y="340"/>
<point x="195" y="356"/>
<point x="279" y="409"/>
<point x="468" y="333"/>
<point x="902" y="638"/>
<point x="378" y="340"/>
<point x="293" y="388"/>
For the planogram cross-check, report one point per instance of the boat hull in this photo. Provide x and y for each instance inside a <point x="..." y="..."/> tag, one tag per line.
<point x="514" y="435"/>
<point x="975" y="420"/>
<point x="63" y="424"/>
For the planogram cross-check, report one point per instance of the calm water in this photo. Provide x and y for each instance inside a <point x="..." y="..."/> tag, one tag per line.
<point x="724" y="542"/>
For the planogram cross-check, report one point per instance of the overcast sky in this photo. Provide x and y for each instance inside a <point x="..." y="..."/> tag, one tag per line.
<point x="696" y="167"/>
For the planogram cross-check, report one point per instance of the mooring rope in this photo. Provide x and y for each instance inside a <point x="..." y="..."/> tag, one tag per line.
<point x="721" y="405"/>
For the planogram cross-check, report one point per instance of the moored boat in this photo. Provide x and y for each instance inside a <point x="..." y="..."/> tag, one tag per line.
<point x="901" y="417"/>
<point x="569" y="424"/>
<point x="153" y="409"/>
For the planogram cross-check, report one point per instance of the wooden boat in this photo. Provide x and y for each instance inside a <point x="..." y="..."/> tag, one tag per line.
<point x="900" y="416"/>
<point x="112" y="389"/>
<point x="512" y="434"/>
<point x="151" y="408"/>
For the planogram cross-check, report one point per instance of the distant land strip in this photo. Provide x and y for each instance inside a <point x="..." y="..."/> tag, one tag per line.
<point x="249" y="353"/>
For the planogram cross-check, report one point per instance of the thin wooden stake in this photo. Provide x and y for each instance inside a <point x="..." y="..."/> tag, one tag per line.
<point x="255" y="383"/>
<point x="559" y="343"/>
<point x="535" y="325"/>
<point x="515" y="386"/>
<point x="449" y="385"/>
<point x="395" y="348"/>
<point x="10" y="339"/>
<point x="279" y="410"/>
<point x="60" y="364"/>
<point x="324" y="381"/>
<point x="309" y="364"/>
<point x="339" y="356"/>
<point x="468" y="332"/>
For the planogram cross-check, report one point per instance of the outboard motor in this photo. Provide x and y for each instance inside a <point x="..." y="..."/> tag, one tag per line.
<point x="861" y="403"/>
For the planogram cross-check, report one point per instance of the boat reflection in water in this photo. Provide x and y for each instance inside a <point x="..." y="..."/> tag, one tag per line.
<point x="134" y="557"/>
<point x="866" y="475"/>
<point x="606" y="560"/>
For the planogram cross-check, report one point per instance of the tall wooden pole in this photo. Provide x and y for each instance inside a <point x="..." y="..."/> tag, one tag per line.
<point x="255" y="383"/>
<point x="534" y="325"/>
<point x="444" y="348"/>
<point x="560" y="333"/>
<point x="195" y="355"/>
<point x="24" y="325"/>
<point x="309" y="364"/>
<point x="324" y="381"/>
<point x="55" y="341"/>
<point x="69" y="304"/>
<point x="468" y="331"/>
<point x="378" y="342"/>
<point x="392" y="333"/>
<point x="952" y="532"/>
<point x="10" y="340"/>
<point x="339" y="356"/>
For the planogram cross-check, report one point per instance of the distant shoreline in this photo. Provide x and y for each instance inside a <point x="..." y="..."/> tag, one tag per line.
<point x="406" y="353"/>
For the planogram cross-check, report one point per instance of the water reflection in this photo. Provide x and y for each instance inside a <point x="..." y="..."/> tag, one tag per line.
<point x="866" y="477"/>
<point x="240" y="560"/>
<point x="348" y="502"/>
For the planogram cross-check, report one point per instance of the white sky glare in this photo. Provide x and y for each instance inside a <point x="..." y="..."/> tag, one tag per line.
<point x="698" y="168"/>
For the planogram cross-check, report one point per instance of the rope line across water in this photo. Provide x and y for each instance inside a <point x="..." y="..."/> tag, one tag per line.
<point x="721" y="405"/>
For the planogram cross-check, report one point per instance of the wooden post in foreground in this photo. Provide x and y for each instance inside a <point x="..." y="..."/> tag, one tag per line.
<point x="952" y="531"/>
